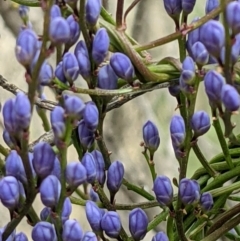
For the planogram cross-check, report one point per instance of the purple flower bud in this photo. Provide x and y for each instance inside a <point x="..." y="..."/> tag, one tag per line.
<point x="213" y="82"/>
<point x="22" y="108"/>
<point x="11" y="236"/>
<point x="57" y="122"/>
<point x="151" y="136"/>
<point x="9" y="194"/>
<point x="9" y="116"/>
<point x="56" y="171"/>
<point x="200" y="53"/>
<point x="94" y="215"/>
<point x="89" y="164"/>
<point x="115" y="176"/>
<point x="163" y="190"/>
<point x="188" y="64"/>
<point x="233" y="17"/>
<point x="85" y="135"/>
<point x="72" y="231"/>
<point x="160" y="236"/>
<point x="200" y="123"/>
<point x="111" y="224"/>
<point x="100" y="45"/>
<point x="81" y="47"/>
<point x="189" y="191"/>
<point x="194" y="36"/>
<point x="83" y="63"/>
<point x="50" y="190"/>
<point x="212" y="35"/>
<point x="44" y="231"/>
<point x="138" y="222"/>
<point x="43" y="159"/>
<point x="211" y="5"/>
<point x="59" y="72"/>
<point x="173" y="7"/>
<point x="91" y="115"/>
<point x="70" y="67"/>
<point x="188" y="5"/>
<point x="107" y="79"/>
<point x="55" y="11"/>
<point x="20" y="237"/>
<point x="93" y="9"/>
<point x="206" y="201"/>
<point x="235" y="52"/>
<point x="122" y="66"/>
<point x="45" y="213"/>
<point x="23" y="12"/>
<point x="67" y="209"/>
<point x="188" y="72"/>
<point x="177" y="130"/>
<point x="74" y="106"/>
<point x="26" y="46"/>
<point x="100" y="166"/>
<point x="75" y="173"/>
<point x="7" y="139"/>
<point x="230" y="97"/>
<point x="59" y="30"/>
<point x="93" y="195"/>
<point x="174" y="90"/>
<point x="89" y="236"/>
<point x="46" y="74"/>
<point x="74" y="30"/>
<point x="14" y="167"/>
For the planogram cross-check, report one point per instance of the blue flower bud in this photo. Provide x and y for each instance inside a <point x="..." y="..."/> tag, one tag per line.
<point x="50" y="190"/>
<point x="56" y="171"/>
<point x="9" y="194"/>
<point x="138" y="222"/>
<point x="115" y="176"/>
<point x="212" y="35"/>
<point x="93" y="195"/>
<point x="74" y="30"/>
<point x="230" y="97"/>
<point x="235" y="52"/>
<point x="11" y="236"/>
<point x="89" y="236"/>
<point x="81" y="47"/>
<point x="107" y="79"/>
<point x="188" y="5"/>
<point x="70" y="67"/>
<point x="93" y="9"/>
<point x="59" y="73"/>
<point x="45" y="213"/>
<point x="160" y="236"/>
<point x="194" y="36"/>
<point x="22" y="108"/>
<point x="44" y="231"/>
<point x="89" y="164"/>
<point x="206" y="201"/>
<point x="85" y="135"/>
<point x="173" y="7"/>
<point x="58" y="122"/>
<point x="151" y="136"/>
<point x="233" y="19"/>
<point x="46" y="74"/>
<point x="211" y="5"/>
<point x="200" y="123"/>
<point x="14" y="167"/>
<point x="9" y="116"/>
<point x="122" y="66"/>
<point x="177" y="130"/>
<point x="72" y="231"/>
<point x="7" y="139"/>
<point x="59" y="30"/>
<point x="94" y="215"/>
<point x="55" y="11"/>
<point x="74" y="106"/>
<point x="189" y="191"/>
<point x="188" y="64"/>
<point x="200" y="53"/>
<point x="20" y="237"/>
<point x="91" y="115"/>
<point x="163" y="190"/>
<point x="188" y="70"/>
<point x="100" y="166"/>
<point x="43" y="159"/>
<point x="67" y="209"/>
<point x="111" y="224"/>
<point x="26" y="46"/>
<point x="75" y="173"/>
<point x="100" y="46"/>
<point x="213" y="82"/>
<point x="174" y="90"/>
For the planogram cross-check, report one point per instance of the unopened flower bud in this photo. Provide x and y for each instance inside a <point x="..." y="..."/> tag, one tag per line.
<point x="211" y="5"/>
<point x="20" y="237"/>
<point x="173" y="7"/>
<point x="200" y="123"/>
<point x="163" y="190"/>
<point x="230" y="97"/>
<point x="160" y="236"/>
<point x="72" y="231"/>
<point x="74" y="106"/>
<point x="107" y="79"/>
<point x="177" y="130"/>
<point x="188" y="5"/>
<point x="206" y="201"/>
<point x="59" y="73"/>
<point x="50" y="190"/>
<point x="91" y="115"/>
<point x="89" y="164"/>
<point x="233" y="20"/>
<point x="93" y="195"/>
<point x="200" y="53"/>
<point x="89" y="236"/>
<point x="93" y="9"/>
<point x="111" y="224"/>
<point x="138" y="222"/>
<point x="55" y="11"/>
<point x="7" y="139"/>
<point x="188" y="70"/>
<point x="85" y="135"/>
<point x="67" y="209"/>
<point x="46" y="74"/>
<point x="45" y="213"/>
<point x="189" y="191"/>
<point x="74" y="30"/>
<point x="9" y="116"/>
<point x="56" y="171"/>
<point x="44" y="231"/>
<point x="70" y="67"/>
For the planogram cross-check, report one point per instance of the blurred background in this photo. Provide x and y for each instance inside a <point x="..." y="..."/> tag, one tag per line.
<point x="123" y="126"/>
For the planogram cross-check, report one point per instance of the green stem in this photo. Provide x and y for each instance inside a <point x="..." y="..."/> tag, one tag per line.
<point x="151" y="165"/>
<point x="119" y="13"/>
<point x="226" y="189"/>
<point x="3" y="150"/>
<point x="42" y="114"/>
<point x="158" y="219"/>
<point x="170" y="226"/>
<point x="235" y="152"/>
<point x="30" y="3"/>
